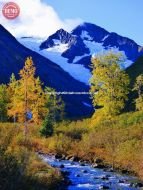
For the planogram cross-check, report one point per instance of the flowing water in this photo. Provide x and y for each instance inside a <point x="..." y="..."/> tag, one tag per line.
<point x="88" y="178"/>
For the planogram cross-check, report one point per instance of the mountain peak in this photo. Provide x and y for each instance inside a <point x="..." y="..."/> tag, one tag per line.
<point x="92" y="29"/>
<point x="61" y="36"/>
<point x="61" y="30"/>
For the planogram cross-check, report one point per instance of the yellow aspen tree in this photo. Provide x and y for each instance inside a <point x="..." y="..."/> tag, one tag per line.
<point x="109" y="83"/>
<point x="138" y="86"/>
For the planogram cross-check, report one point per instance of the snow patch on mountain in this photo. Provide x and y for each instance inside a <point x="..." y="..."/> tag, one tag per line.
<point x="94" y="47"/>
<point x="77" y="71"/>
<point x="78" y="58"/>
<point x="58" y="47"/>
<point x="85" y="35"/>
<point x="105" y="37"/>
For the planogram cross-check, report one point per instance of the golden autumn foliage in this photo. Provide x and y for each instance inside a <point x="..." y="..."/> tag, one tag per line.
<point x="27" y="95"/>
<point x="138" y="86"/>
<point x="109" y="83"/>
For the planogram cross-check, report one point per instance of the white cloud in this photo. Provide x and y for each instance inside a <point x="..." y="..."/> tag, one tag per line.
<point x="36" y="19"/>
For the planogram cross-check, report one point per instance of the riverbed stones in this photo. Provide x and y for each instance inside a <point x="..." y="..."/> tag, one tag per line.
<point x="78" y="172"/>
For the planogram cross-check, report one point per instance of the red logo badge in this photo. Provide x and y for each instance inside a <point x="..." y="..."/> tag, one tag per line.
<point x="11" y="10"/>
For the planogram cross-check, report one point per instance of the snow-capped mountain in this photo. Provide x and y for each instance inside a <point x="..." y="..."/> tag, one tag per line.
<point x="92" y="34"/>
<point x="77" y="71"/>
<point x="73" y="51"/>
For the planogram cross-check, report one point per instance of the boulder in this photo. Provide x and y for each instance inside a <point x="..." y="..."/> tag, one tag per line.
<point x="58" y="156"/>
<point x="84" y="171"/>
<point x="105" y="187"/>
<point x="62" y="166"/>
<point x="82" y="164"/>
<point x="122" y="181"/>
<point x="105" y="177"/>
<point x="68" y="157"/>
<point x="98" y="161"/>
<point x="109" y="170"/>
<point x="99" y="166"/>
<point x="72" y="158"/>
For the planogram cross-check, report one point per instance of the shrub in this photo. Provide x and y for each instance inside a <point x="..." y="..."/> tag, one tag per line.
<point x="47" y="127"/>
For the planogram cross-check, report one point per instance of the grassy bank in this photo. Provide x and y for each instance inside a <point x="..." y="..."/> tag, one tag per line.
<point x="118" y="141"/>
<point x="20" y="167"/>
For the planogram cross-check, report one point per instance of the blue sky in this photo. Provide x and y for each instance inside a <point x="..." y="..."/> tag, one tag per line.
<point x="122" y="16"/>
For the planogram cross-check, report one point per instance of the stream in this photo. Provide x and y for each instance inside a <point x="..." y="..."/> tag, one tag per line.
<point x="85" y="177"/>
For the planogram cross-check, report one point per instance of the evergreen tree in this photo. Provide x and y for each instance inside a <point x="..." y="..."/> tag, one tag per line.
<point x="139" y="88"/>
<point x="55" y="114"/>
<point x="47" y="128"/>
<point x="3" y="102"/>
<point x="109" y="83"/>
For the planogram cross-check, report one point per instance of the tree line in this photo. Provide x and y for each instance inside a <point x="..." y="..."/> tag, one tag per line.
<point x="26" y="100"/>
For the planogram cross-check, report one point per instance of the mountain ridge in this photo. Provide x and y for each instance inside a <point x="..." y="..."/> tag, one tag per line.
<point x="87" y="34"/>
